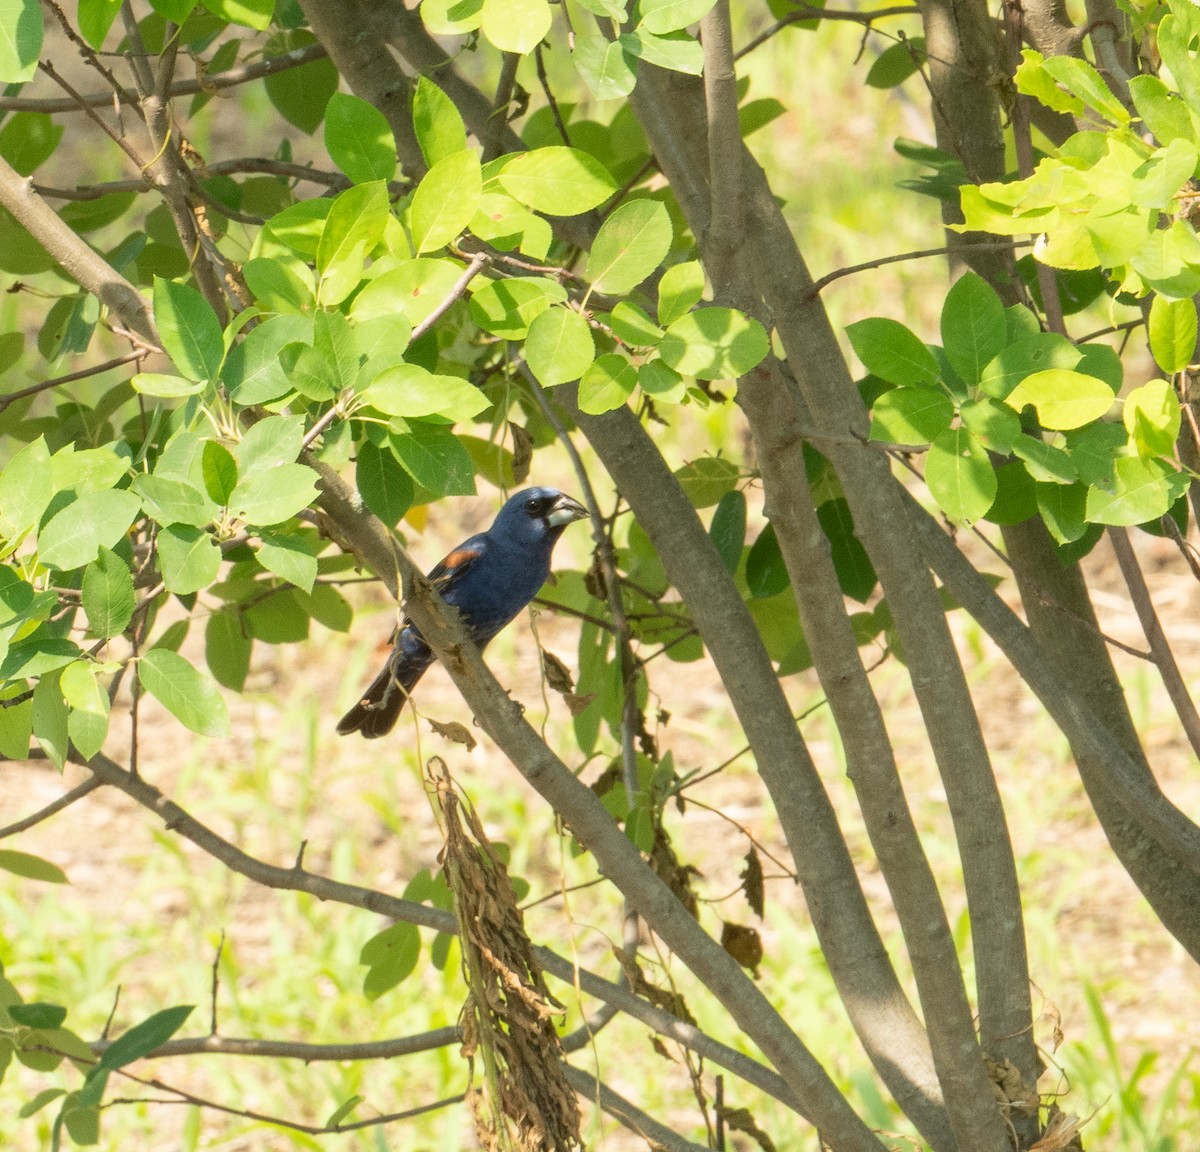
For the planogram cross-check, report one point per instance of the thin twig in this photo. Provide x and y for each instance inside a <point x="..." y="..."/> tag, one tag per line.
<point x="460" y="286"/>
<point x="806" y="13"/>
<point x="82" y="374"/>
<point x="1160" y="648"/>
<point x="55" y="806"/>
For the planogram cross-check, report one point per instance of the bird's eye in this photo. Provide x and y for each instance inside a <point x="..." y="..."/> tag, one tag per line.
<point x="535" y="506"/>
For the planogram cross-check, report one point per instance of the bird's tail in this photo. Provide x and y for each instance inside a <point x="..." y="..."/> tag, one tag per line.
<point x="377" y="711"/>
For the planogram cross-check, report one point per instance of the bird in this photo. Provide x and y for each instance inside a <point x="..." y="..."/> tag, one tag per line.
<point x="489" y="578"/>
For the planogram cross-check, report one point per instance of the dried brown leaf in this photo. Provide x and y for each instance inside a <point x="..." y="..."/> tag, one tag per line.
<point x="522" y="453"/>
<point x="558" y="675"/>
<point x="740" y="1120"/>
<point x="744" y="944"/>
<point x="752" y="882"/>
<point x="453" y="730"/>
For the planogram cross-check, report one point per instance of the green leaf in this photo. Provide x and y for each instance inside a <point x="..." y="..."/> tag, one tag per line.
<point x="74" y="536"/>
<point x="386" y="488"/>
<point x="897" y="63"/>
<point x="96" y="18"/>
<point x="1063" y="507"/>
<point x="186" y="692"/>
<point x="413" y="291"/>
<point x="1143" y="489"/>
<point x="189" y="557"/>
<point x="28" y="140"/>
<point x="409" y="390"/>
<point x="632" y="326"/>
<point x="269" y="443"/>
<point x="108" y="597"/>
<point x="164" y="387"/>
<point x="632" y="243"/>
<point x="227" y="648"/>
<point x="1157" y="180"/>
<point x="436" y="459"/>
<point x="220" y="471"/>
<point x="974" y="327"/>
<point x="728" y="528"/>
<point x="1046" y="463"/>
<point x="189" y="328"/>
<point x="558" y="181"/>
<point x="505" y="308"/>
<point x="300" y="95"/>
<point x="358" y="138"/>
<point x="766" y="573"/>
<point x="451" y="17"/>
<point x="608" y="382"/>
<point x="87" y="723"/>
<point x="50" y="719"/>
<point x="288" y="557"/>
<point x="40" y="654"/>
<point x="38" y="1014"/>
<point x="1094" y="448"/>
<point x="253" y="371"/>
<point x="271" y="495"/>
<point x="559" y="346"/>
<point x="515" y="25"/>
<point x="1032" y="353"/>
<point x="1164" y="112"/>
<point x="1062" y="398"/>
<point x="679" y="290"/>
<point x="706" y="480"/>
<point x="143" y="1038"/>
<point x="32" y="868"/>
<point x="1081" y="79"/>
<point x="1033" y="80"/>
<point x="172" y="501"/>
<point x="343" y="1111"/>
<point x="1172" y="333"/>
<point x="661" y="16"/>
<point x="676" y="50"/>
<point x="911" y="416"/>
<point x="890" y="351"/>
<point x="21" y="31"/>
<point x="1152" y="415"/>
<point x="855" y="572"/>
<point x="446" y="200"/>
<point x="994" y="424"/>
<point x="714" y="344"/>
<point x="959" y="475"/>
<point x="437" y="122"/>
<point x="278" y="286"/>
<point x="607" y="67"/>
<point x="24" y="493"/>
<point x="81" y="1121"/>
<point x="391" y="956"/>
<point x="254" y="14"/>
<point x="44" y="1097"/>
<point x="1016" y="499"/>
<point x="354" y="226"/>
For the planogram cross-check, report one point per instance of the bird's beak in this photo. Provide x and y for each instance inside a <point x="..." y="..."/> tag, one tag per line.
<point x="565" y="511"/>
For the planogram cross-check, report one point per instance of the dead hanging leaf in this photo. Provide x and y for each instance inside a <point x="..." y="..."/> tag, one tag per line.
<point x="527" y="1103"/>
<point x="608" y="779"/>
<point x="559" y="678"/>
<point x="577" y="705"/>
<point x="744" y="944"/>
<point x="1011" y="1091"/>
<point x="667" y="867"/>
<point x="453" y="730"/>
<point x="558" y="675"/>
<point x="1062" y="1132"/>
<point x="522" y="453"/>
<point x="594" y="581"/>
<point x="752" y="882"/>
<point x="740" y="1120"/>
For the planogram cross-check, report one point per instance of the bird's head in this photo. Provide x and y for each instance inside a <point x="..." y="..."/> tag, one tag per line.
<point x="536" y="515"/>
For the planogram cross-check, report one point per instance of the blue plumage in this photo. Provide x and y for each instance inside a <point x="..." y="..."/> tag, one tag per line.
<point x="489" y="578"/>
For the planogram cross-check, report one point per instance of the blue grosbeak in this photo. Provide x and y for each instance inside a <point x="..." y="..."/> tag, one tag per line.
<point x="489" y="579"/>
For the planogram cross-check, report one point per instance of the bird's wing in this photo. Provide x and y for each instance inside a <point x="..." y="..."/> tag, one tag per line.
<point x="445" y="576"/>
